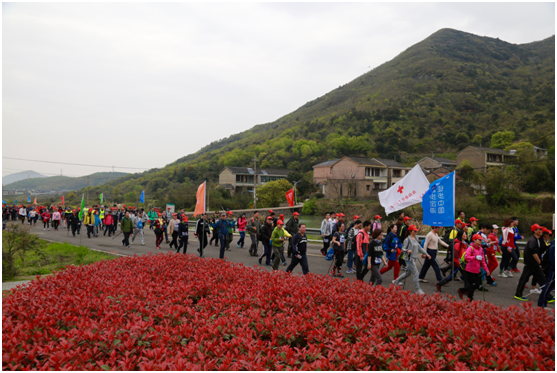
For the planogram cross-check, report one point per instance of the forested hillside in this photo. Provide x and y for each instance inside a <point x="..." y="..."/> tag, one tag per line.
<point x="65" y="182"/>
<point x="451" y="90"/>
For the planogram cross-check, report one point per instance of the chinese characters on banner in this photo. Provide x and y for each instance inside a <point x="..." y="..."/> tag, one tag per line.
<point x="438" y="202"/>
<point x="406" y="192"/>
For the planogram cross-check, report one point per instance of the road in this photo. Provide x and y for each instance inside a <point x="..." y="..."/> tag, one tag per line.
<point x="502" y="295"/>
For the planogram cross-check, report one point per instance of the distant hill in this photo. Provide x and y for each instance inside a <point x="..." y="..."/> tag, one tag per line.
<point x="58" y="183"/>
<point x="442" y="94"/>
<point x="12" y="178"/>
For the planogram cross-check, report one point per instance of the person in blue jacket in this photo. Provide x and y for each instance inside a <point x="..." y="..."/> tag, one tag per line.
<point x="223" y="224"/>
<point x="391" y="246"/>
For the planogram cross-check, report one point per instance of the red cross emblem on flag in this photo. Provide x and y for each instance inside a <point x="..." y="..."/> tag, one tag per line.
<point x="400" y="188"/>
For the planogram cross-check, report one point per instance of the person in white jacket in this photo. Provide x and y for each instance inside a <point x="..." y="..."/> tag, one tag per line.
<point x="326" y="232"/>
<point x="139" y="223"/>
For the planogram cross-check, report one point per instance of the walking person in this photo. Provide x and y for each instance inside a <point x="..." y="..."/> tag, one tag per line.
<point x="545" y="296"/>
<point x="223" y="225"/>
<point x="253" y="228"/>
<point x="362" y="243"/>
<point x="159" y="232"/>
<point x="402" y="235"/>
<point x="375" y="257"/>
<point x="278" y="237"/>
<point x="74" y="222"/>
<point x="139" y="223"/>
<point x="22" y="214"/>
<point x="173" y="226"/>
<point x="46" y="220"/>
<point x="410" y="249"/>
<point x="231" y="227"/>
<point x="97" y="223"/>
<point x="492" y="249"/>
<point x="242" y="222"/>
<point x="432" y="242"/>
<point x="516" y="237"/>
<point x="392" y="247"/>
<point x="215" y="233"/>
<point x="485" y="230"/>
<point x="299" y="251"/>
<point x="507" y="247"/>
<point x="475" y="259"/>
<point x="201" y="230"/>
<point x="326" y="233"/>
<point x="338" y="241"/>
<point x="532" y="262"/>
<point x="351" y="244"/>
<point x="455" y="252"/>
<point x="108" y="224"/>
<point x="376" y="224"/>
<point x="89" y="221"/>
<point x="152" y="215"/>
<point x="265" y="238"/>
<point x="292" y="228"/>
<point x="126" y="226"/>
<point x="183" y="231"/>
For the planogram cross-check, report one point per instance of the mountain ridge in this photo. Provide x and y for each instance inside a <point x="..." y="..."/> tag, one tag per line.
<point x="59" y="183"/>
<point x="12" y="178"/>
<point x="445" y="92"/>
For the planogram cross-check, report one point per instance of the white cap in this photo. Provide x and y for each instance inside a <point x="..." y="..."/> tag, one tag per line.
<point x="495" y="226"/>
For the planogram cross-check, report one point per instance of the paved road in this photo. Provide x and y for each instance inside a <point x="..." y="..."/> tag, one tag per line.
<point x="502" y="295"/>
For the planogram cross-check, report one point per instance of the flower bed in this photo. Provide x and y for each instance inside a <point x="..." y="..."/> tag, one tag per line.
<point x="179" y="312"/>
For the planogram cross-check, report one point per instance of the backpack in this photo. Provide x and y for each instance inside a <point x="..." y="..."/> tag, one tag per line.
<point x="330" y="254"/>
<point x="463" y="260"/>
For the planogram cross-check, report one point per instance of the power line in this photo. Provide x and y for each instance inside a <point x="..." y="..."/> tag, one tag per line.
<point x="73" y="164"/>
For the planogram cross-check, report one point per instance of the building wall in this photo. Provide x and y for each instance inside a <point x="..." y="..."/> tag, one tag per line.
<point x="345" y="168"/>
<point x="429" y="163"/>
<point x="360" y="187"/>
<point x="320" y="174"/>
<point x="475" y="157"/>
<point x="227" y="177"/>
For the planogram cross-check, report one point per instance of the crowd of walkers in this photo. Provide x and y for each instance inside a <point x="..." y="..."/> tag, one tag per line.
<point x="367" y="245"/>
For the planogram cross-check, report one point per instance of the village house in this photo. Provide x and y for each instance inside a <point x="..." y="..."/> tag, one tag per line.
<point x="357" y="177"/>
<point x="482" y="158"/>
<point x="241" y="179"/>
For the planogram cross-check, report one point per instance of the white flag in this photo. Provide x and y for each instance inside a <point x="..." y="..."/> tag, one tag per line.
<point x="406" y="192"/>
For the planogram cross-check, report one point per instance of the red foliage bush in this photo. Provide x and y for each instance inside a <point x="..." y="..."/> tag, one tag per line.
<point x="179" y="312"/>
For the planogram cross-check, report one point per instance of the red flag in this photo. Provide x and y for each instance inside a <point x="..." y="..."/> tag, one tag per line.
<point x="290" y="197"/>
<point x="200" y="205"/>
<point x="35" y="201"/>
<point x="63" y="200"/>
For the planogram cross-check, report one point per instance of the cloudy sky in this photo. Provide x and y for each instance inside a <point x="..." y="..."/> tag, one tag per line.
<point x="140" y="85"/>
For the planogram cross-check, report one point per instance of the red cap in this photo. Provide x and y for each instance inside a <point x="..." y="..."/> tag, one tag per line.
<point x="270" y="211"/>
<point x="125" y="206"/>
<point x="535" y="227"/>
<point x="473" y="219"/>
<point x="269" y="218"/>
<point x="458" y="221"/>
<point x="281" y="216"/>
<point x="295" y="214"/>
<point x="406" y="218"/>
<point x="229" y="212"/>
<point x="545" y="230"/>
<point x="168" y="208"/>
<point x="175" y="214"/>
<point x="185" y="218"/>
<point x="466" y="224"/>
<point x="412" y="228"/>
<point x="73" y="210"/>
<point x="356" y="217"/>
<point x="341" y="215"/>
<point x="280" y="222"/>
<point x="477" y="237"/>
<point x="377" y="217"/>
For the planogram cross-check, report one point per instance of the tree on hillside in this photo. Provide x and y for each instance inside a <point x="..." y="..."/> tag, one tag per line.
<point x="273" y="193"/>
<point x="501" y="185"/>
<point x="502" y="139"/>
<point x="534" y="171"/>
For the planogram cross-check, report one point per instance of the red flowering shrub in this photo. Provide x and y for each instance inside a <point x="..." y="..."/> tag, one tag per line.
<point x="178" y="312"/>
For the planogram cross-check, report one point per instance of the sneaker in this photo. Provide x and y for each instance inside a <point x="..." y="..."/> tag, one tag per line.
<point x="535" y="291"/>
<point x="128" y="246"/>
<point x="551" y="300"/>
<point x="350" y="271"/>
<point x="509" y="274"/>
<point x="238" y="245"/>
<point x="142" y="244"/>
<point x="460" y="294"/>
<point x="420" y="292"/>
<point x="521" y="298"/>
<point x="158" y="248"/>
<point x="503" y="275"/>
<point x="258" y="259"/>
<point x="48" y="229"/>
<point x="283" y="263"/>
<point x="438" y="288"/>
<point x="44" y="229"/>
<point x="515" y="270"/>
<point x="493" y="284"/>
<point x="323" y="252"/>
<point x="422" y="280"/>
<point x="393" y="282"/>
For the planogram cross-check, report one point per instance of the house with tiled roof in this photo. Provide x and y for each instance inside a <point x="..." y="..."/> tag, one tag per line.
<point x="481" y="158"/>
<point x="357" y="177"/>
<point x="432" y="163"/>
<point x="242" y="179"/>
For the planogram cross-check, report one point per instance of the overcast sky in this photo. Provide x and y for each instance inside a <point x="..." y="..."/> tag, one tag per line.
<point x="140" y="85"/>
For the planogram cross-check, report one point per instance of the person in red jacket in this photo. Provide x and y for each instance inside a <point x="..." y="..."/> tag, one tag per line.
<point x="242" y="222"/>
<point x="492" y="262"/>
<point x="108" y="223"/>
<point x="46" y="220"/>
<point x="475" y="259"/>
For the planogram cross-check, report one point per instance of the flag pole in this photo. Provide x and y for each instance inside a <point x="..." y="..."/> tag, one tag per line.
<point x="204" y="210"/>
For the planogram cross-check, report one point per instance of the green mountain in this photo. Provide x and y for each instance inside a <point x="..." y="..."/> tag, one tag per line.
<point x="451" y="90"/>
<point x="58" y="183"/>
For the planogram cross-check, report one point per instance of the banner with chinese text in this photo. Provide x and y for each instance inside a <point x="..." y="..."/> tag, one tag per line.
<point x="438" y="202"/>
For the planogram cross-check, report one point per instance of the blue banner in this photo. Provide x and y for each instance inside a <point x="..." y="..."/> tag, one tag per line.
<point x="142" y="197"/>
<point x="438" y="202"/>
<point x="29" y="199"/>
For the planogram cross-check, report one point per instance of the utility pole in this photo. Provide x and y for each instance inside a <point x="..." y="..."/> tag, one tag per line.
<point x="254" y="181"/>
<point x="87" y="190"/>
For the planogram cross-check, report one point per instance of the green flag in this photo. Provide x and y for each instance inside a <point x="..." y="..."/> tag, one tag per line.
<point x="101" y="197"/>
<point x="82" y="206"/>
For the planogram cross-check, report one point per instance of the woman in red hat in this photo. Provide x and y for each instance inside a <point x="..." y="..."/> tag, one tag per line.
<point x="475" y="259"/>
